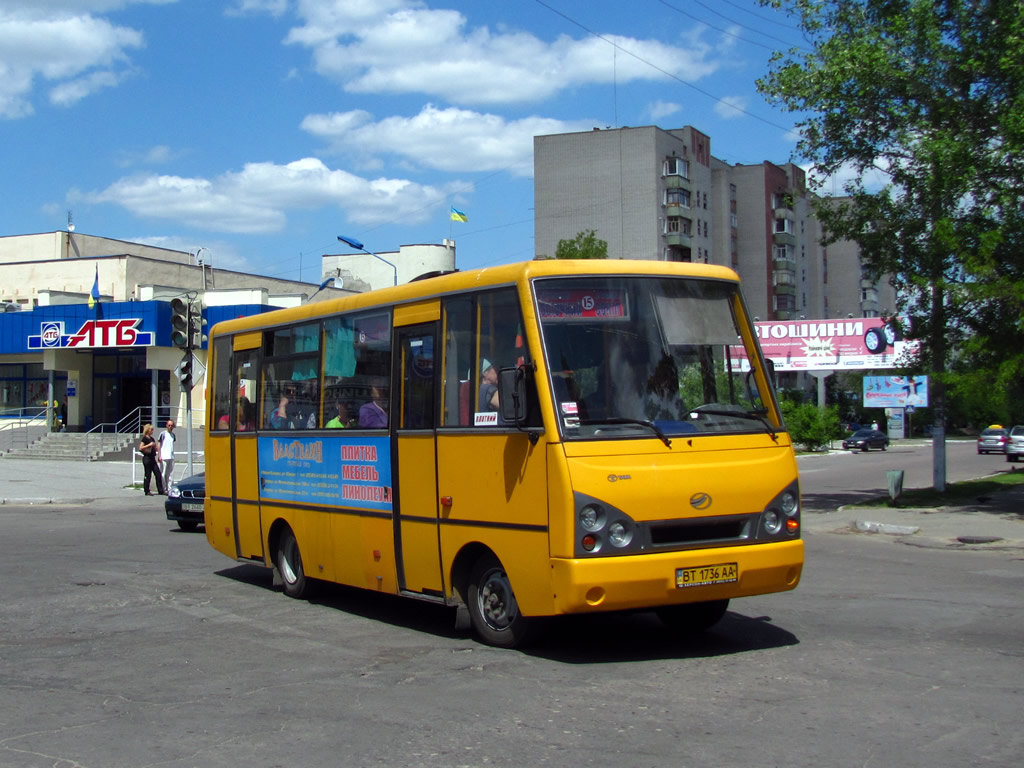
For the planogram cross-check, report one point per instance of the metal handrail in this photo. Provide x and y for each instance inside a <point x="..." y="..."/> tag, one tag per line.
<point x="18" y="431"/>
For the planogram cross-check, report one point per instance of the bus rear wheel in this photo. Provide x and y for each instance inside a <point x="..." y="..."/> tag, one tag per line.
<point x="693" y="617"/>
<point x="289" y="565"/>
<point x="492" y="605"/>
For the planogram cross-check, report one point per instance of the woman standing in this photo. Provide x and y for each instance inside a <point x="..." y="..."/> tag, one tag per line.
<point x="148" y="447"/>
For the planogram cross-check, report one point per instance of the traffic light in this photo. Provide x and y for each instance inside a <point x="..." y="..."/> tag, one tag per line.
<point x="180" y="309"/>
<point x="184" y="371"/>
<point x="196" y="323"/>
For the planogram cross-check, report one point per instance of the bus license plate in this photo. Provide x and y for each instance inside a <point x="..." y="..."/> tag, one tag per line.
<point x="703" y="575"/>
<point x="191" y="507"/>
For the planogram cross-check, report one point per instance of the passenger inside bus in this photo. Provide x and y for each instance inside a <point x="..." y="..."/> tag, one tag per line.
<point x="279" y="417"/>
<point x="373" y="415"/>
<point x="339" y="419"/>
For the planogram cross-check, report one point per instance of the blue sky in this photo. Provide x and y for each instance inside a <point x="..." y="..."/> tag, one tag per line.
<point x="262" y="129"/>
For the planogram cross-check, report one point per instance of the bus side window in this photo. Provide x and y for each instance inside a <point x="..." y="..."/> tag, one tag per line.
<point x="456" y="384"/>
<point x="222" y="401"/>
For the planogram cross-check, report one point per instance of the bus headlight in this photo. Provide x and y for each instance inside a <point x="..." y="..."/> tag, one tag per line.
<point x="600" y="529"/>
<point x="591" y="518"/>
<point x="619" y="535"/>
<point x="789" y="505"/>
<point x="782" y="514"/>
<point x="772" y="522"/>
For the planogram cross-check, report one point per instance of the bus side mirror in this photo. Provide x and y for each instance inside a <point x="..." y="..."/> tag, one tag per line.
<point x="512" y="395"/>
<point x="512" y="399"/>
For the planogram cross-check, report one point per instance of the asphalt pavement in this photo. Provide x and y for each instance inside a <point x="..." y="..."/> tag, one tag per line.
<point x="994" y="522"/>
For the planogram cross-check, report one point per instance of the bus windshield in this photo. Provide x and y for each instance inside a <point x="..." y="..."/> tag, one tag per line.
<point x="648" y="356"/>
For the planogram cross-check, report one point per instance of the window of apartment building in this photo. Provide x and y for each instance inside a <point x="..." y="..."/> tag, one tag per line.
<point x="677" y="197"/>
<point x="705" y="227"/>
<point x="677" y="166"/>
<point x="784" y="252"/>
<point x="782" y="200"/>
<point x="784" y="226"/>
<point x="677" y="224"/>
<point x="705" y="201"/>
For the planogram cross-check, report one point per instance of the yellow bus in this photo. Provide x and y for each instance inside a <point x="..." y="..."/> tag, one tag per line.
<point x="524" y="441"/>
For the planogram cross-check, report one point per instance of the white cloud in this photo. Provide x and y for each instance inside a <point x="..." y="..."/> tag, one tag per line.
<point x="401" y="47"/>
<point x="731" y="107"/>
<point x="444" y="139"/>
<point x="256" y="199"/>
<point x="660" y="109"/>
<point x="244" y="7"/>
<point x="77" y="53"/>
<point x="160" y="154"/>
<point x="73" y="91"/>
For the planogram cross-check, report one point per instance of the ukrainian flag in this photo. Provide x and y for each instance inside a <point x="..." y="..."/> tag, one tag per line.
<point x="458" y="215"/>
<point x="94" y="297"/>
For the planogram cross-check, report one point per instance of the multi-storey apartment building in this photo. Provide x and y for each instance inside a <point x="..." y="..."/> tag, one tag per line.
<point x="657" y="194"/>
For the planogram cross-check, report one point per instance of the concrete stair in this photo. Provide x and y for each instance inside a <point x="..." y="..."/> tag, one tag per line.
<point x="78" y="446"/>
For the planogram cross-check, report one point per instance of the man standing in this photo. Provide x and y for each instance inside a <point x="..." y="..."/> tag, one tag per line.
<point x="167" y="453"/>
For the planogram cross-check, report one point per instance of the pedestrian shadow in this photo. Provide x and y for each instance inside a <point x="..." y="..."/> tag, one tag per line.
<point x="598" y="638"/>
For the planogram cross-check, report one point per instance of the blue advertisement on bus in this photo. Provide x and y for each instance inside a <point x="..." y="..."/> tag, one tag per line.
<point x="344" y="471"/>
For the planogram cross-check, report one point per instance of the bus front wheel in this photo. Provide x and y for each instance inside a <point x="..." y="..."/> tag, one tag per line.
<point x="493" y="609"/>
<point x="693" y="617"/>
<point x="289" y="565"/>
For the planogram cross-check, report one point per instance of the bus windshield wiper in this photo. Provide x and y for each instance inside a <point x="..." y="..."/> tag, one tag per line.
<point x="739" y="413"/>
<point x="624" y="420"/>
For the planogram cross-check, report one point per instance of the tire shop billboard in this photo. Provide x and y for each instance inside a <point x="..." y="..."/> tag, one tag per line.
<point x="829" y="345"/>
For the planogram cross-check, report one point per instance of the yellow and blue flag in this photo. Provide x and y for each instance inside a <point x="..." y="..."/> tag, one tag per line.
<point x="94" y="297"/>
<point x="458" y="215"/>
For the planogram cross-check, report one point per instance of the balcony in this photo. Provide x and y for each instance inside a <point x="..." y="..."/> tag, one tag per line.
<point x="785" y="290"/>
<point x="677" y="182"/>
<point x="785" y="265"/>
<point x="673" y="209"/>
<point x="678" y="239"/>
<point x="784" y="238"/>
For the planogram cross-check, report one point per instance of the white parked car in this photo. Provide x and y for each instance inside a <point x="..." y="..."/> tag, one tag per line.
<point x="1015" y="444"/>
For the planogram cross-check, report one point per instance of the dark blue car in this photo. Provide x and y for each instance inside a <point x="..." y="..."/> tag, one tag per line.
<point x="184" y="503"/>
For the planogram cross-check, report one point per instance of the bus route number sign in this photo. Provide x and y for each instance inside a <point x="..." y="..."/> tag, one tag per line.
<point x="705" y="575"/>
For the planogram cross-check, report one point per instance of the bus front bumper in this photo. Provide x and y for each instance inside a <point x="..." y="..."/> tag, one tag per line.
<point x="650" y="580"/>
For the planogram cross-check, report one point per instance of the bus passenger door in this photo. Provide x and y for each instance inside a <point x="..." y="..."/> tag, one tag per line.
<point x="417" y="544"/>
<point x="244" y="474"/>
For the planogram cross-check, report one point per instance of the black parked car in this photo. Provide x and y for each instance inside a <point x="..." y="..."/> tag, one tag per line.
<point x="184" y="502"/>
<point x="866" y="439"/>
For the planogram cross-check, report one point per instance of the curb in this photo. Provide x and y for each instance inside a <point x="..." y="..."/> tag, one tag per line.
<point x="867" y="526"/>
<point x="37" y="500"/>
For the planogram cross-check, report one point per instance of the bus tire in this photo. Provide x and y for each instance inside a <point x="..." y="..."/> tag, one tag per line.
<point x="289" y="565"/>
<point x="692" y="617"/>
<point x="493" y="609"/>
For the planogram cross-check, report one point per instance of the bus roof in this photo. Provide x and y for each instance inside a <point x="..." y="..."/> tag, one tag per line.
<point x="457" y="282"/>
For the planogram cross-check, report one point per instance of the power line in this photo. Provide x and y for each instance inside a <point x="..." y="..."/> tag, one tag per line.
<point x="655" y="67"/>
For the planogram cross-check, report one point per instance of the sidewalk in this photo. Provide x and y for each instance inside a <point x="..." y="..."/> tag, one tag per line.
<point x="42" y="481"/>
<point x="993" y="522"/>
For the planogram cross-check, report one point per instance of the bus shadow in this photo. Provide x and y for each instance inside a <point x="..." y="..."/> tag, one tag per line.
<point x="609" y="638"/>
<point x="590" y="639"/>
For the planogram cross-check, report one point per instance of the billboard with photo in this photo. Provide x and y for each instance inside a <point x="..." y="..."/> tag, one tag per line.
<point x="819" y="345"/>
<point x="895" y="391"/>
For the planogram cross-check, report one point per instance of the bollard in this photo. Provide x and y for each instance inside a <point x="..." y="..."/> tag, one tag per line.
<point x="895" y="483"/>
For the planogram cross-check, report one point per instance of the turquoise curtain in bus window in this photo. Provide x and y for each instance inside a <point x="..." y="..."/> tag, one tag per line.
<point x="306" y="338"/>
<point x="339" y="351"/>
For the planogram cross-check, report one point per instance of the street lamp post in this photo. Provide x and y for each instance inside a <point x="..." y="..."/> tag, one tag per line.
<point x="351" y="241"/>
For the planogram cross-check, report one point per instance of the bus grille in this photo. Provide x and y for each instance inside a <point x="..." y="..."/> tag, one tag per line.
<point x="733" y="529"/>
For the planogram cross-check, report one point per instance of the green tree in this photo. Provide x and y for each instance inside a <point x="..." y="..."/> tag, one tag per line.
<point x="929" y="95"/>
<point x="810" y="426"/>
<point x="585" y="245"/>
